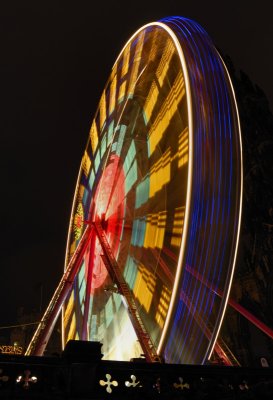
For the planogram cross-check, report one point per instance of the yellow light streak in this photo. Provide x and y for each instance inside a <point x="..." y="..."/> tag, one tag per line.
<point x="167" y="111"/>
<point x="153" y="54"/>
<point x="155" y="230"/>
<point x="135" y="67"/>
<point x="122" y="90"/>
<point x="160" y="173"/>
<point x="86" y="163"/>
<point x="183" y="148"/>
<point x="113" y="89"/>
<point x="178" y="223"/>
<point x="151" y="101"/>
<point x="161" y="73"/>
<point x="102" y="109"/>
<point x="126" y="58"/>
<point x="94" y="136"/>
<point x="144" y="287"/>
<point x="163" y="306"/>
<point x="113" y="72"/>
<point x="68" y="310"/>
<point x="72" y="329"/>
<point x="164" y="64"/>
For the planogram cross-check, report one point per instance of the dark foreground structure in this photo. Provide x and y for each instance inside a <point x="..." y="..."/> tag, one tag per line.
<point x="81" y="374"/>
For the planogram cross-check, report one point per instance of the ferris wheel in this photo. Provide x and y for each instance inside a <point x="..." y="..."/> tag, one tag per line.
<point x="156" y="213"/>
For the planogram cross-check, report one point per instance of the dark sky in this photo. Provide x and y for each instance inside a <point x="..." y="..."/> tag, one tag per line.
<point x="55" y="59"/>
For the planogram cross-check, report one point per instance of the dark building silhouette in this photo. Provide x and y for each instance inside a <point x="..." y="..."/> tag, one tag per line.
<point x="253" y="281"/>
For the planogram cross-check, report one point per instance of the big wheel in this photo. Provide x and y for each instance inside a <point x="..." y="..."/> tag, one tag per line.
<point x="162" y="171"/>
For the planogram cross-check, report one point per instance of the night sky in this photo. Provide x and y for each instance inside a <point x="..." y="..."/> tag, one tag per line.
<point x="55" y="59"/>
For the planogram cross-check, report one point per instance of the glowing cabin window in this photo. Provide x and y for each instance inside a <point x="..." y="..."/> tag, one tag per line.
<point x="85" y="197"/>
<point x="94" y="136"/>
<point x="112" y="100"/>
<point x="164" y="64"/>
<point x="110" y="133"/>
<point x="183" y="148"/>
<point x="122" y="130"/>
<point x="91" y="179"/>
<point x="130" y="272"/>
<point x="160" y="173"/>
<point x="135" y="67"/>
<point x="129" y="157"/>
<point x="81" y="274"/>
<point x="142" y="192"/>
<point x="122" y="90"/>
<point x="114" y="147"/>
<point x="90" y="308"/>
<point x="117" y="300"/>
<point x="152" y="53"/>
<point x="117" y="192"/>
<point x="125" y="63"/>
<point x="103" y="145"/>
<point x="93" y="328"/>
<point x="138" y="235"/>
<point x="69" y="309"/>
<point x="97" y="161"/>
<point x="102" y="110"/>
<point x="178" y="224"/>
<point x="86" y="164"/>
<point x="131" y="177"/>
<point x="150" y="102"/>
<point x="163" y="306"/>
<point x="144" y="287"/>
<point x="166" y="112"/>
<point x="72" y="328"/>
<point x="109" y="311"/>
<point x="155" y="230"/>
<point x="82" y="283"/>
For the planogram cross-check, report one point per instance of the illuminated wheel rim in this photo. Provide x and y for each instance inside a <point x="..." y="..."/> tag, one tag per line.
<point x="163" y="170"/>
